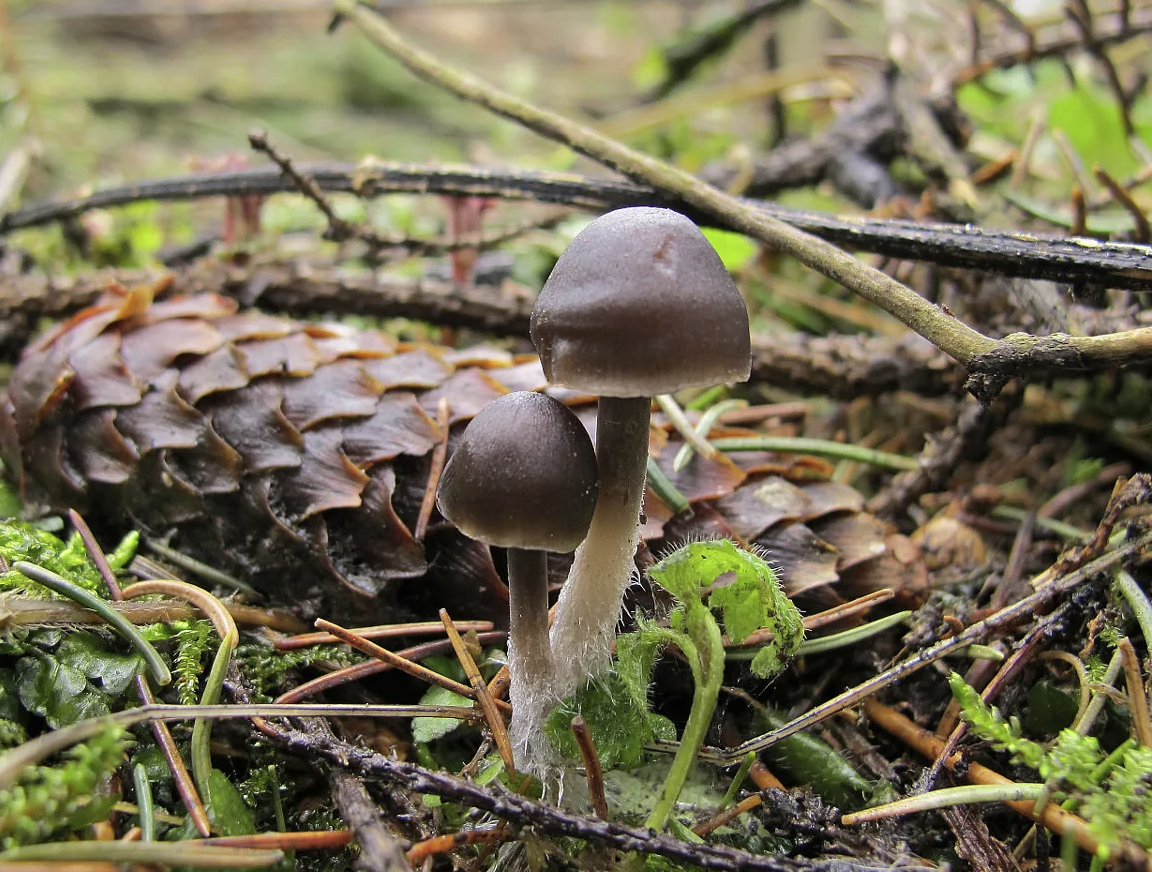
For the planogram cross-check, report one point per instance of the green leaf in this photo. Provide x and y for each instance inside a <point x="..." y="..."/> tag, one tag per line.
<point x="743" y="608"/>
<point x="59" y="693"/>
<point x="447" y="666"/>
<point x="152" y="759"/>
<point x="1050" y="709"/>
<point x="490" y="769"/>
<point x="650" y="70"/>
<point x="85" y="652"/>
<point x="735" y="249"/>
<point x="1089" y="117"/>
<point x="429" y="729"/>
<point x="226" y="808"/>
<point x="812" y="761"/>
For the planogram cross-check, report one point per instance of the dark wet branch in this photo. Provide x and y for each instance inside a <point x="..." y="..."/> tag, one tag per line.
<point x="547" y="819"/>
<point x="1055" y="258"/>
<point x="379" y="850"/>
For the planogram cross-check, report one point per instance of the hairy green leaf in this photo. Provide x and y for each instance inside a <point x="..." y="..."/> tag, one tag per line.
<point x="753" y="600"/>
<point x="618" y="721"/>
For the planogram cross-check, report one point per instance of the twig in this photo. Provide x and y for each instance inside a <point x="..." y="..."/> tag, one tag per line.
<point x="1014" y="21"/>
<point x="489" y="706"/>
<point x="944" y="798"/>
<point x="159" y="853"/>
<point x="428" y="848"/>
<point x="1024" y="160"/>
<point x="1072" y="158"/>
<point x="1008" y="670"/>
<point x="1080" y="14"/>
<point x="13" y="172"/>
<point x="1129" y="27"/>
<point x="435" y="470"/>
<point x="379" y="850"/>
<point x="1027" y="255"/>
<point x="683" y="426"/>
<point x="728" y="815"/>
<point x="546" y="818"/>
<point x="225" y="628"/>
<point x="381" y="631"/>
<point x="1079" y="224"/>
<point x="844" y="610"/>
<point x="593" y="771"/>
<point x="307" y="840"/>
<point x="1120" y="194"/>
<point x="395" y="660"/>
<point x="703" y="427"/>
<point x="844" y="367"/>
<point x="1137" y="699"/>
<point x="373" y="667"/>
<point x="14" y="761"/>
<point x="990" y="363"/>
<point x="338" y="230"/>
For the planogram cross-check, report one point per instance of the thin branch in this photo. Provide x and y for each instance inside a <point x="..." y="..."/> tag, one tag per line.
<point x="546" y="818"/>
<point x="1127" y="26"/>
<point x="1120" y="194"/>
<point x="1027" y="255"/>
<point x="380" y="851"/>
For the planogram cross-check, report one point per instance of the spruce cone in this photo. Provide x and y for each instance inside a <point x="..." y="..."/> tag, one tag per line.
<point x="298" y="454"/>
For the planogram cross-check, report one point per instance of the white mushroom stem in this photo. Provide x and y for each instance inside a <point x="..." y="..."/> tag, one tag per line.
<point x="529" y="658"/>
<point x="588" y="610"/>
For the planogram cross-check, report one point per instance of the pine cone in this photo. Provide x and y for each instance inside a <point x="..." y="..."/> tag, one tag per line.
<point x="294" y="452"/>
<point x="298" y="455"/>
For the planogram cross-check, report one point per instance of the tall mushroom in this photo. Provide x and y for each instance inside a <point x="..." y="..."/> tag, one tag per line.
<point x="638" y="305"/>
<point x="524" y="477"/>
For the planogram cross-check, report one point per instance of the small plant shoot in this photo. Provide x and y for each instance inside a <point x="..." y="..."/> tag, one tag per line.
<point x="1109" y="790"/>
<point x="702" y="577"/>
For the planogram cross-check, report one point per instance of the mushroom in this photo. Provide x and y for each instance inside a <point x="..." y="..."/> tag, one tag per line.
<point x="638" y="305"/>
<point x="524" y="477"/>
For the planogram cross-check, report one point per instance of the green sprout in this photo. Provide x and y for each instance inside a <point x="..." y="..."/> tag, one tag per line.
<point x="702" y="577"/>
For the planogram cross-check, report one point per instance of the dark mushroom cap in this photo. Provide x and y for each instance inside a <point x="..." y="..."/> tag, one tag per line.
<point x="640" y="304"/>
<point x="524" y="475"/>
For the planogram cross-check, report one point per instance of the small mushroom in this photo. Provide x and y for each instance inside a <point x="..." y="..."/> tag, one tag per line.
<point x="638" y="305"/>
<point x="524" y="477"/>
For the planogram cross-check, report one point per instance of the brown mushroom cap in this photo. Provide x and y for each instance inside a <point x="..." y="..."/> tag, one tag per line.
<point x="640" y="304"/>
<point x="524" y="475"/>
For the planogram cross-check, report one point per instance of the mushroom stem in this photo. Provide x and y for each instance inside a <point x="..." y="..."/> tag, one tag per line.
<point x="529" y="656"/>
<point x="589" y="606"/>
